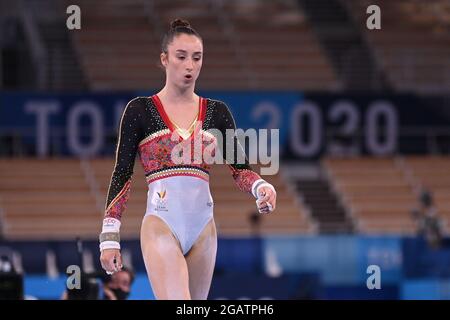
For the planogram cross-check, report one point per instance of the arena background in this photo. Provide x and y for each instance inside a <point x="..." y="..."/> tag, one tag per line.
<point x="364" y="114"/>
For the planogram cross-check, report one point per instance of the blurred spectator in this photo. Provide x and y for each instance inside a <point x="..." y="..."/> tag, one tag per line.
<point x="255" y="223"/>
<point x="429" y="224"/>
<point x="426" y="199"/>
<point x="5" y="264"/>
<point x="118" y="285"/>
<point x="11" y="282"/>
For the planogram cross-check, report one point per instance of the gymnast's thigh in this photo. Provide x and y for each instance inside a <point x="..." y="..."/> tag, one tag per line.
<point x="166" y="266"/>
<point x="201" y="260"/>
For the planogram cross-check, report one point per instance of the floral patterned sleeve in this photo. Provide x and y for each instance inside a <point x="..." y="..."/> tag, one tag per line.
<point x="129" y="135"/>
<point x="245" y="178"/>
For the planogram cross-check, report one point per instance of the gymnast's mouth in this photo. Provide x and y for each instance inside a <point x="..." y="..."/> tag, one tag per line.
<point x="188" y="76"/>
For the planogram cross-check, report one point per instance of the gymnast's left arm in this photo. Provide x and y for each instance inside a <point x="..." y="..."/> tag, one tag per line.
<point x="244" y="176"/>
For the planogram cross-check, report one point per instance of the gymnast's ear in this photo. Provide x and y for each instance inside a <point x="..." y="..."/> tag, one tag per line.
<point x="164" y="59"/>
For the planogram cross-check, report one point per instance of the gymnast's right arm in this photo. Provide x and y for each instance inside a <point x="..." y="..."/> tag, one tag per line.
<point x="129" y="135"/>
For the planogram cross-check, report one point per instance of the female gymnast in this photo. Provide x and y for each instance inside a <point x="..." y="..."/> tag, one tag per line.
<point x="178" y="233"/>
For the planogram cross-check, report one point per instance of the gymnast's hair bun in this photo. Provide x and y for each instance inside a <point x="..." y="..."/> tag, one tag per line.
<point x="177" y="23"/>
<point x="177" y="27"/>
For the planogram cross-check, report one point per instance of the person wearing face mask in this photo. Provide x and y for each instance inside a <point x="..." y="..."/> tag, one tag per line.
<point x="178" y="232"/>
<point x="118" y="285"/>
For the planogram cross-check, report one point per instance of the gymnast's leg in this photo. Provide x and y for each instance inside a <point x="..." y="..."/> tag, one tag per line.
<point x="201" y="260"/>
<point x="166" y="266"/>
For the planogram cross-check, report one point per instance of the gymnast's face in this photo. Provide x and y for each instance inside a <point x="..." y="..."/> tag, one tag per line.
<point x="183" y="60"/>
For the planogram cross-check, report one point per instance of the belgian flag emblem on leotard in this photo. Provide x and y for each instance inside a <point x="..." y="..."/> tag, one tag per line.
<point x="161" y="201"/>
<point x="162" y="194"/>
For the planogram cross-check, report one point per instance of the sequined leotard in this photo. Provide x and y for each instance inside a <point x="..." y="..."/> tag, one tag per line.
<point x="178" y="193"/>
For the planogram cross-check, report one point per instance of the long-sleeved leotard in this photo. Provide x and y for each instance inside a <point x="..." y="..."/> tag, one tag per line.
<point x="178" y="190"/>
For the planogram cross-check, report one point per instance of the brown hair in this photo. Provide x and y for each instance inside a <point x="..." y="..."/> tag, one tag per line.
<point x="177" y="26"/>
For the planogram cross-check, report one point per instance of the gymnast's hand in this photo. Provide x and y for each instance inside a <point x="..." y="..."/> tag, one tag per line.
<point x="111" y="260"/>
<point x="267" y="199"/>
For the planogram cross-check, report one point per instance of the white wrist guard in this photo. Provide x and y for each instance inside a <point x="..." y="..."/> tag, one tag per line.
<point x="110" y="238"/>
<point x="109" y="245"/>
<point x="111" y="225"/>
<point x="256" y="185"/>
